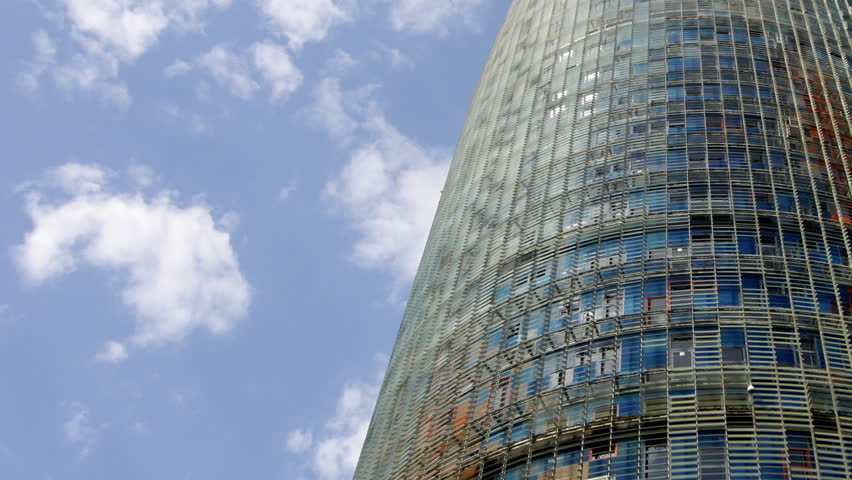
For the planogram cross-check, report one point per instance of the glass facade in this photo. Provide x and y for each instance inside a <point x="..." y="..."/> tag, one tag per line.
<point x="639" y="268"/>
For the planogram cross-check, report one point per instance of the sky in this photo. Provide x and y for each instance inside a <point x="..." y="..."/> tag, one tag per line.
<point x="212" y="213"/>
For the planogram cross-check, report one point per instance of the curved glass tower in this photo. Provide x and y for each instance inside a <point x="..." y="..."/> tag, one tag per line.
<point x="639" y="268"/>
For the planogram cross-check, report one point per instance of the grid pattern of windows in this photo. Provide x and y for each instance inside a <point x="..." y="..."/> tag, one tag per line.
<point x="640" y="266"/>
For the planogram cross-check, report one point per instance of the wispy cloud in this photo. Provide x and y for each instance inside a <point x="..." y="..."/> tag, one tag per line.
<point x="113" y="352"/>
<point x="243" y="73"/>
<point x="8" y="315"/>
<point x="299" y="441"/>
<point x="230" y="70"/>
<point x="339" y="63"/>
<point x="79" y="431"/>
<point x="432" y="16"/>
<point x="176" y="69"/>
<point x="142" y="175"/>
<point x="303" y="21"/>
<point x="181" y="273"/>
<point x="140" y="428"/>
<point x="390" y="186"/>
<point x="390" y="190"/>
<point x="287" y="190"/>
<point x="193" y="120"/>
<point x="43" y="59"/>
<point x="393" y="56"/>
<point x="333" y="453"/>
<point x="331" y="111"/>
<point x="275" y="67"/>
<point x="99" y="37"/>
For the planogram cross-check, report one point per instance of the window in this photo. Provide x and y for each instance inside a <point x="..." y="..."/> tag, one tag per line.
<point x="800" y="449"/>
<point x="685" y="293"/>
<point x="555" y="111"/>
<point x="657" y="307"/>
<point x="777" y="293"/>
<point x="513" y="334"/>
<point x="611" y="304"/>
<point x="785" y="353"/>
<point x="680" y="287"/>
<point x="729" y="296"/>
<point x="656" y="304"/>
<point x="676" y="94"/>
<point x="840" y="307"/>
<point x="604" y="411"/>
<point x="607" y="365"/>
<point x="681" y="352"/>
<point x="561" y="378"/>
<point x="811" y="351"/>
<point x="654" y="349"/>
<point x="733" y="346"/>
<point x="627" y="405"/>
<point x="800" y="457"/>
<point x="603" y="452"/>
<point x="501" y="394"/>
<point x="656" y="463"/>
<point x="711" y="454"/>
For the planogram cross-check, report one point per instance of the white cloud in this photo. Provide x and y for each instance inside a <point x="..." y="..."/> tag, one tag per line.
<point x="278" y="71"/>
<point x="394" y="56"/>
<point x="104" y="34"/>
<point x="43" y="59"/>
<point x="330" y="112"/>
<point x="140" y="428"/>
<point x="203" y="92"/>
<point x="177" y="69"/>
<point x="79" y="431"/>
<point x="142" y="175"/>
<point x="339" y="63"/>
<point x="299" y="441"/>
<point x="287" y="190"/>
<point x="390" y="190"/>
<point x="268" y="61"/>
<point x="432" y="16"/>
<point x="302" y="21"/>
<point x="229" y="221"/>
<point x="180" y="272"/>
<point x="333" y="454"/>
<point x="7" y="315"/>
<point x="95" y="72"/>
<point x="188" y="15"/>
<point x="390" y="187"/>
<point x="230" y="70"/>
<point x="179" y="398"/>
<point x="193" y="120"/>
<point x="113" y="352"/>
<point x="126" y="28"/>
<point x="76" y="178"/>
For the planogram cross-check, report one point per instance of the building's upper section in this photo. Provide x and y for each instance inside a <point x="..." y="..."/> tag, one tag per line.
<point x="640" y="264"/>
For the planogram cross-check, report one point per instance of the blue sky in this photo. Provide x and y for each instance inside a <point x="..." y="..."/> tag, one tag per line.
<point x="213" y="210"/>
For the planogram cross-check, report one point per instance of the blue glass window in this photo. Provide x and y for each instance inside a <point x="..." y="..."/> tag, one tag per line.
<point x="631" y="350"/>
<point x="733" y="345"/>
<point x="675" y="64"/>
<point x="676" y="94"/>
<point x="655" y="349"/>
<point x="628" y="405"/>
<point x="746" y="245"/>
<point x="729" y="296"/>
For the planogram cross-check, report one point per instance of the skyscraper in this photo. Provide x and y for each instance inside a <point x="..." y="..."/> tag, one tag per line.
<point x="639" y="268"/>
